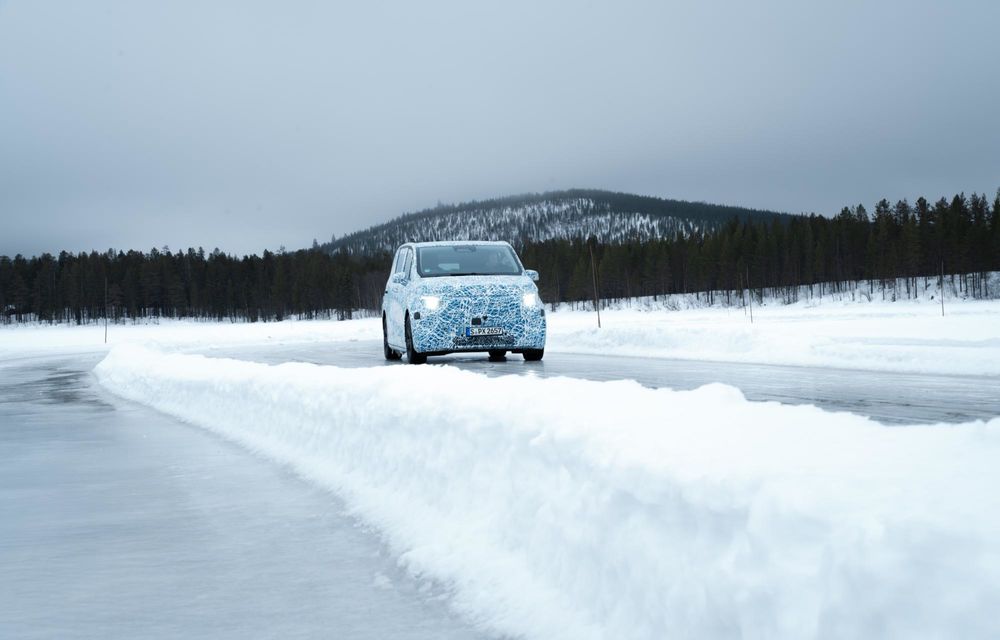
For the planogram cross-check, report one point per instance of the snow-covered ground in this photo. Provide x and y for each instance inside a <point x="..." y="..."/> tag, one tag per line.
<point x="903" y="336"/>
<point x="882" y="336"/>
<point x="563" y="508"/>
<point x="567" y="508"/>
<point x="180" y="334"/>
<point x="854" y="328"/>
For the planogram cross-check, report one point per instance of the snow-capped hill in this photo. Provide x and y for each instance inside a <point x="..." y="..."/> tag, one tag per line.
<point x="575" y="214"/>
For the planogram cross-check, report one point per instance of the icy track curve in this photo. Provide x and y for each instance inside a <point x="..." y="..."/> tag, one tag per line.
<point x="563" y="508"/>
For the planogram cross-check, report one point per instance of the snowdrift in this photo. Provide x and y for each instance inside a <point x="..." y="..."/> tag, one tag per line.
<point x="563" y="508"/>
<point x="901" y="337"/>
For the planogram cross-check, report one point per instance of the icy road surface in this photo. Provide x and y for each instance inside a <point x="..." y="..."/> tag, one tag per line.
<point x="117" y="521"/>
<point x="890" y="398"/>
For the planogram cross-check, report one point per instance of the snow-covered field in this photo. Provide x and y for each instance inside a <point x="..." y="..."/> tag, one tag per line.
<point x="563" y="508"/>
<point x="904" y="336"/>
<point x="883" y="336"/>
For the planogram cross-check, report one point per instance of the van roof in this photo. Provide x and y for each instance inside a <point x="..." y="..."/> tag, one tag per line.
<point x="449" y="243"/>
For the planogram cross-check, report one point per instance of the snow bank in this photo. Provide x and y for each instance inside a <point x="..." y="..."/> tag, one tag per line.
<point x="904" y="336"/>
<point x="559" y="508"/>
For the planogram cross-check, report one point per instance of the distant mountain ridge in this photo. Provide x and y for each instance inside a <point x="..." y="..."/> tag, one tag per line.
<point x="611" y="217"/>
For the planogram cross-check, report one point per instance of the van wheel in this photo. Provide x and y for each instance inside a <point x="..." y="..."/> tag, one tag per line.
<point x="533" y="355"/>
<point x="387" y="351"/>
<point x="411" y="354"/>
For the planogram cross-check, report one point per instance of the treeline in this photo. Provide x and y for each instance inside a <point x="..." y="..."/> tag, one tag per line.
<point x="888" y="248"/>
<point x="134" y="285"/>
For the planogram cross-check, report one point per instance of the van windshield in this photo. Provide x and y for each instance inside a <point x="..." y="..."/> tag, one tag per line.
<point x="467" y="260"/>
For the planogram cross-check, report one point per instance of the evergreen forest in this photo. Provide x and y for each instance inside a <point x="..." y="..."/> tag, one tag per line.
<point x="887" y="249"/>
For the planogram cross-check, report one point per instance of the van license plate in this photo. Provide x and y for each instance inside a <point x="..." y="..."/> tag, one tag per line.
<point x="483" y="331"/>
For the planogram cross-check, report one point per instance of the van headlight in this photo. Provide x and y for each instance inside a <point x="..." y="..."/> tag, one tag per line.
<point x="431" y="303"/>
<point x="529" y="299"/>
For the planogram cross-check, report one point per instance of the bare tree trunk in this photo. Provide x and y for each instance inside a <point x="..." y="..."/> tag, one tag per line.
<point x="593" y="273"/>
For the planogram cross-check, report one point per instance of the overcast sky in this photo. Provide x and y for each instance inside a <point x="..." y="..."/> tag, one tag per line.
<point x="248" y="125"/>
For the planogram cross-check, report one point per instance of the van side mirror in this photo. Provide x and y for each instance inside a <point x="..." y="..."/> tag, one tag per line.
<point x="531" y="273"/>
<point x="397" y="278"/>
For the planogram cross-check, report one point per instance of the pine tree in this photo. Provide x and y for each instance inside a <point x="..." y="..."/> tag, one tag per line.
<point x="994" y="263"/>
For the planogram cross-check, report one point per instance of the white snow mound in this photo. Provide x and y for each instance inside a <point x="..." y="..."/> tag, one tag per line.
<point x="563" y="508"/>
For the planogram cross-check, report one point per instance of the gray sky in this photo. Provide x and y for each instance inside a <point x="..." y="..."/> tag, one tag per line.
<point x="249" y="125"/>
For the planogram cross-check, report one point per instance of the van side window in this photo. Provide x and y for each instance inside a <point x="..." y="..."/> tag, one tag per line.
<point x="397" y="264"/>
<point x="408" y="262"/>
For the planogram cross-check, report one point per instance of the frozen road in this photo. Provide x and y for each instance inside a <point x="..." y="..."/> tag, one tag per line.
<point x="118" y="522"/>
<point x="891" y="398"/>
